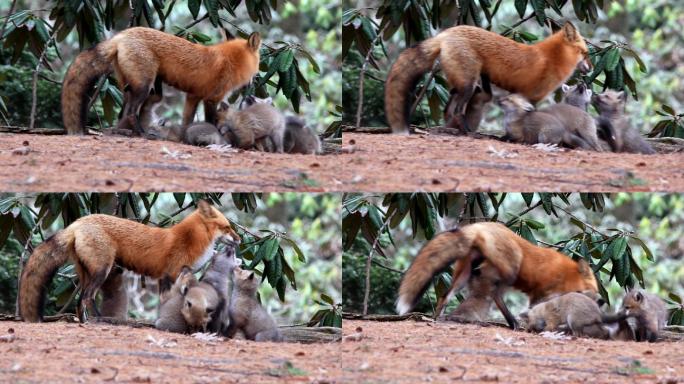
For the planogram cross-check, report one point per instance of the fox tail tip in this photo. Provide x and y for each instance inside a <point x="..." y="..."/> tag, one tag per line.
<point x="402" y="306"/>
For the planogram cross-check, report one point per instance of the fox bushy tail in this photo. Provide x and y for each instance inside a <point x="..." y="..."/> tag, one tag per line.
<point x="81" y="76"/>
<point x="443" y="250"/>
<point x="405" y="73"/>
<point x="38" y="272"/>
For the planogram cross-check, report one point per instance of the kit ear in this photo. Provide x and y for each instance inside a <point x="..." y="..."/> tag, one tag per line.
<point x="251" y="276"/>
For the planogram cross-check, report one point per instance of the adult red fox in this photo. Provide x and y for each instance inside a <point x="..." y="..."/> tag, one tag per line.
<point x="465" y="53"/>
<point x="139" y="55"/>
<point x="494" y="254"/>
<point x="95" y="242"/>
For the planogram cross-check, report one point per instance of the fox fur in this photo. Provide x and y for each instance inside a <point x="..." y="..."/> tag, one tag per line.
<point x="465" y="53"/>
<point x="139" y="55"/>
<point x="95" y="242"/>
<point x="492" y="250"/>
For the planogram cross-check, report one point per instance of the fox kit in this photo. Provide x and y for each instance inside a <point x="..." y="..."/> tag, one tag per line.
<point x="206" y="305"/>
<point x="526" y="125"/>
<point x="575" y="311"/>
<point x="465" y="53"/>
<point x="139" y="55"/>
<point x="246" y="314"/>
<point x="251" y="100"/>
<point x="612" y="119"/>
<point x="491" y="251"/>
<point x="577" y="95"/>
<point x="299" y="138"/>
<point x="95" y="242"/>
<point x="475" y="109"/>
<point x="199" y="134"/>
<point x="649" y="312"/>
<point x="244" y="129"/>
<point x="171" y="303"/>
<point x="576" y="121"/>
<point x="114" y="295"/>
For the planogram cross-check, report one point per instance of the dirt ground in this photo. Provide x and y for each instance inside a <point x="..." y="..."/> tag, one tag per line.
<point x="117" y="164"/>
<point x="413" y="352"/>
<point x="386" y="163"/>
<point x="63" y="352"/>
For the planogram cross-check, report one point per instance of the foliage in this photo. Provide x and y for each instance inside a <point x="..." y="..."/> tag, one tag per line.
<point x="377" y="31"/>
<point x="288" y="68"/>
<point x="268" y="252"/>
<point x="616" y="253"/>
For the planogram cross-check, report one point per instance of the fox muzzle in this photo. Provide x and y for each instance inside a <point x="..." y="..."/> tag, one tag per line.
<point x="585" y="65"/>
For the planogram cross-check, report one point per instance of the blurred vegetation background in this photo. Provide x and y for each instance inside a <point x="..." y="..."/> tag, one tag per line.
<point x="636" y="45"/>
<point x="303" y="279"/>
<point x="630" y="239"/>
<point x="299" y="58"/>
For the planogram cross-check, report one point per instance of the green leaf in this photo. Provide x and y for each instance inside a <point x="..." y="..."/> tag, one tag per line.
<point x="327" y="299"/>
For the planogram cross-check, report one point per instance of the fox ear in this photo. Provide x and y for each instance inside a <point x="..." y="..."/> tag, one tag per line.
<point x="570" y="32"/>
<point x="584" y="268"/>
<point x="251" y="276"/>
<point x="223" y="106"/>
<point x="205" y="209"/>
<point x="638" y="297"/>
<point x="527" y="106"/>
<point x="254" y="41"/>
<point x="621" y="95"/>
<point x="567" y="88"/>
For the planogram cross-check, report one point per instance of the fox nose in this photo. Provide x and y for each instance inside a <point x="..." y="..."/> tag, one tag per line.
<point x="230" y="240"/>
<point x="585" y="65"/>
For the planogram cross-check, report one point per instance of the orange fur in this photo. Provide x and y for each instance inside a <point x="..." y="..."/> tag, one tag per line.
<point x="500" y="259"/>
<point x="465" y="53"/>
<point x="139" y="55"/>
<point x="95" y="242"/>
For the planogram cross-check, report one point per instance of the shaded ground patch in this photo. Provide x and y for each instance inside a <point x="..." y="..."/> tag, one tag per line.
<point x="391" y="163"/>
<point x="62" y="352"/>
<point x="412" y="352"/>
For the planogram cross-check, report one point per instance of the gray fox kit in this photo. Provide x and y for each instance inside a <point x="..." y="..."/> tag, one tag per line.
<point x="524" y="124"/>
<point x="114" y="296"/>
<point x="171" y="302"/>
<point x="575" y="311"/>
<point x="648" y="310"/>
<point x="245" y="128"/>
<point x="577" y="95"/>
<point x="246" y="314"/>
<point x="474" y="110"/>
<point x="612" y="119"/>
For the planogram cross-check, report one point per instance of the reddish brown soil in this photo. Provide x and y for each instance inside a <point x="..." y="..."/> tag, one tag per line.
<point x="109" y="163"/>
<point x="414" y="352"/>
<point x="386" y="163"/>
<point x="60" y="352"/>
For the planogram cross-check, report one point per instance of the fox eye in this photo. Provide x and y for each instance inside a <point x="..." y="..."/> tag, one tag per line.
<point x="189" y="304"/>
<point x="209" y="311"/>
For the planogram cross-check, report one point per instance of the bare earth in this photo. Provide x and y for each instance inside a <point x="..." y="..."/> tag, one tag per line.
<point x="62" y="352"/>
<point x="413" y="352"/>
<point x="390" y="163"/>
<point x="116" y="164"/>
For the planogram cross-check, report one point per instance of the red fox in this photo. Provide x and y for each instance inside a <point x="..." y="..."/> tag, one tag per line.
<point x="95" y="242"/>
<point x="507" y="260"/>
<point x="139" y="55"/>
<point x="465" y="53"/>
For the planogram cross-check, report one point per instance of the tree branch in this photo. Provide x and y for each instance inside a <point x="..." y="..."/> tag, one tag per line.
<point x="366" y="292"/>
<point x="359" y="107"/>
<point x="34" y="96"/>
